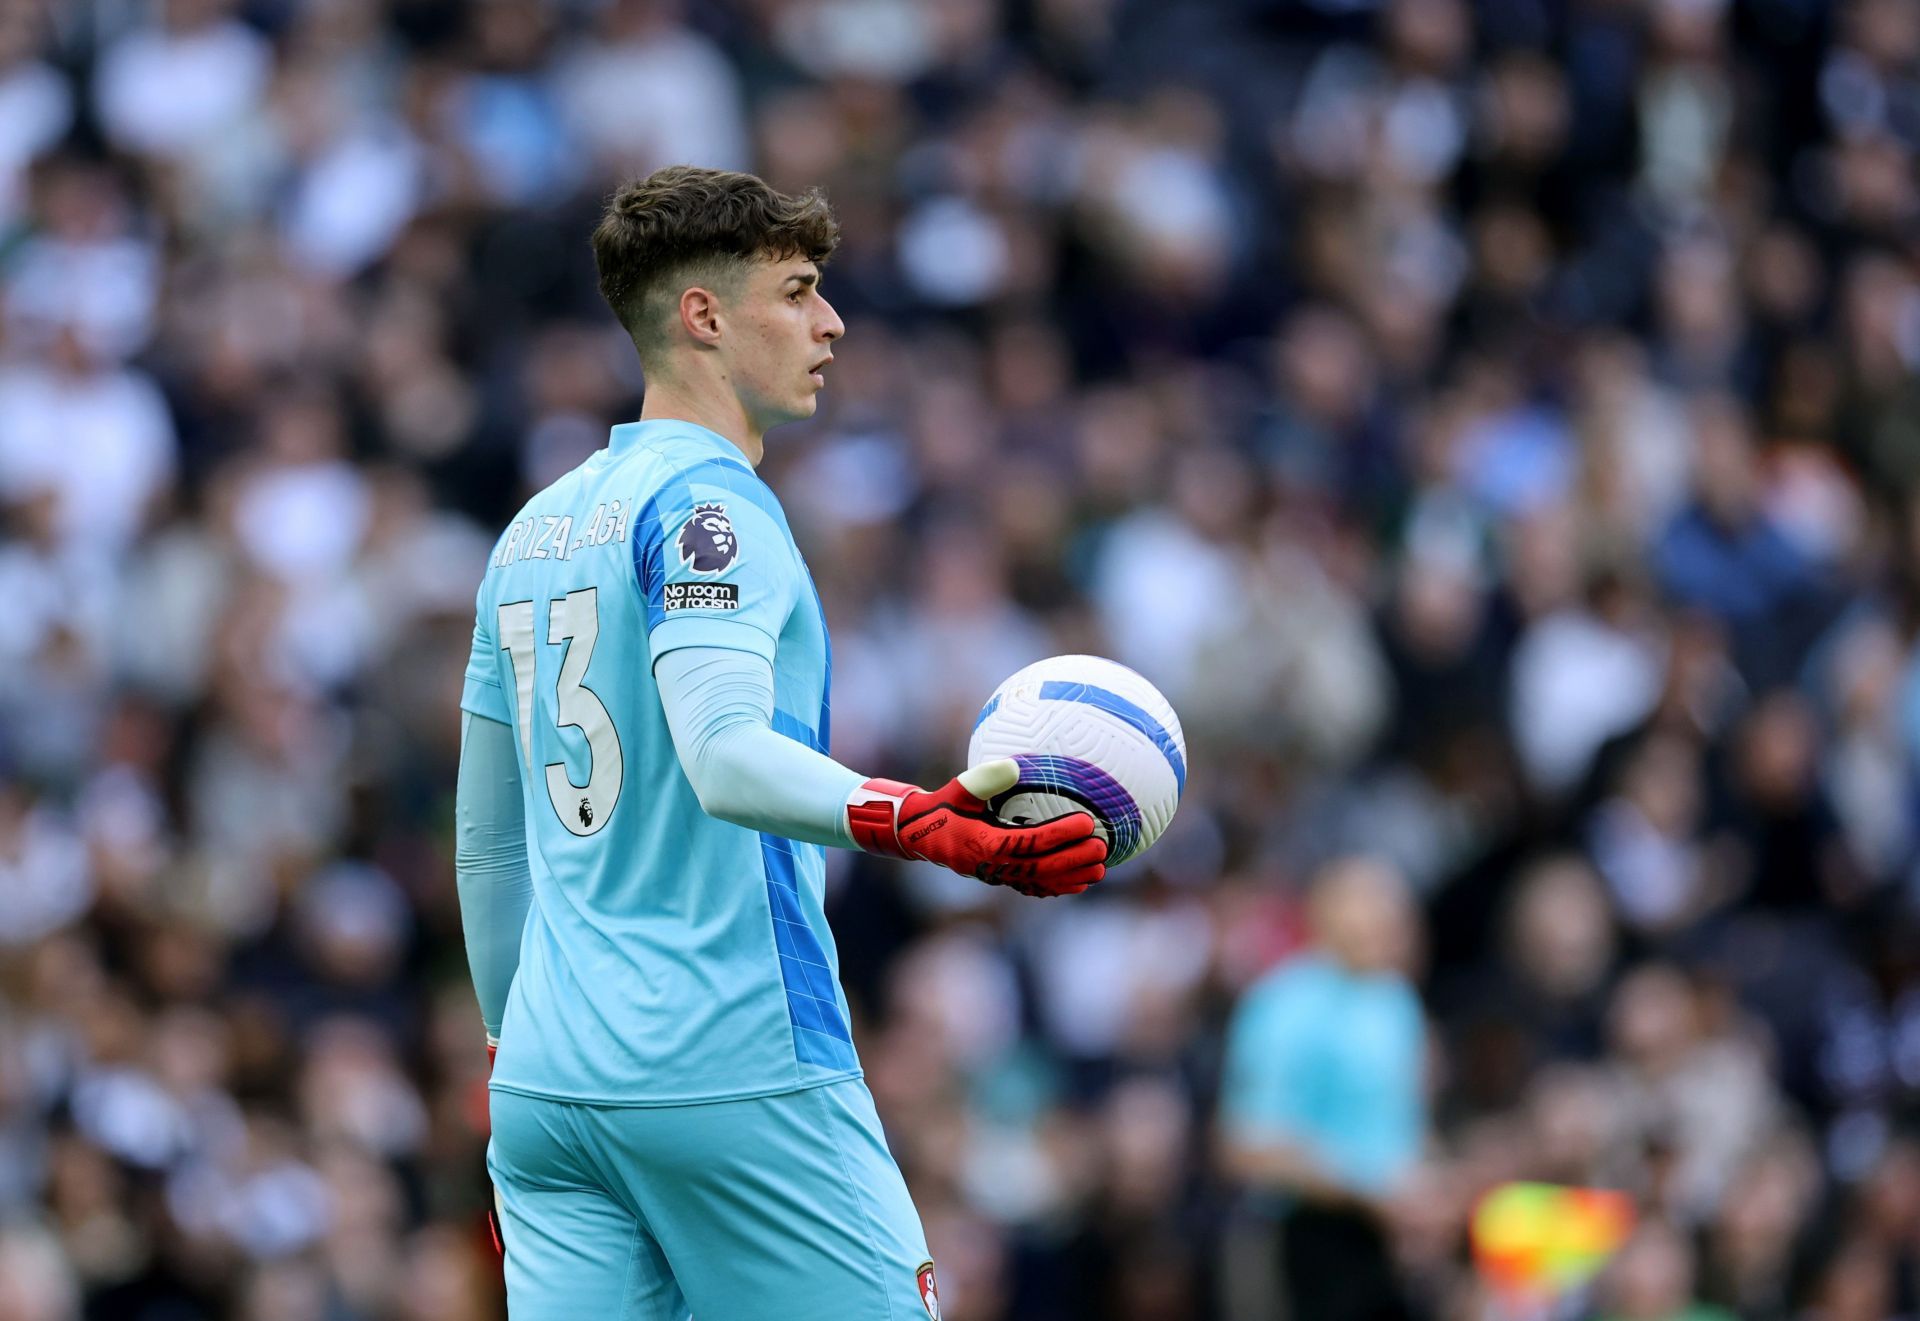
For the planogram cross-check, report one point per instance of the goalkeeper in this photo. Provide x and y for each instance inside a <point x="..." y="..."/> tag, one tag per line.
<point x="679" y="1121"/>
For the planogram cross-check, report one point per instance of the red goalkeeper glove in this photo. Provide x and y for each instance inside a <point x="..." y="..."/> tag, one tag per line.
<point x="954" y="827"/>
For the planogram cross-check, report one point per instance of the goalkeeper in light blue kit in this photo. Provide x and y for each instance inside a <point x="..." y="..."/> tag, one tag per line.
<point x="679" y="1122"/>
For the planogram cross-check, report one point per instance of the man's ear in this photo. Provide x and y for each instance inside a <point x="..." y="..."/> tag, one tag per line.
<point x="700" y="315"/>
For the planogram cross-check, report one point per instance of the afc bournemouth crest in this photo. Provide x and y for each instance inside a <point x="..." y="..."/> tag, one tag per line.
<point x="707" y="543"/>
<point x="929" y="1291"/>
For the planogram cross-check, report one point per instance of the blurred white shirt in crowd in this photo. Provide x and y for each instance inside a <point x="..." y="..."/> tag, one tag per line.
<point x="1577" y="682"/>
<point x="669" y="98"/>
<point x="45" y="882"/>
<point x="102" y="441"/>
<point x="304" y="524"/>
<point x="1100" y="965"/>
<point x="36" y="109"/>
<point x="304" y="521"/>
<point x="352" y="200"/>
<point x="164" y="93"/>
<point x="1164" y="593"/>
<point x="104" y="289"/>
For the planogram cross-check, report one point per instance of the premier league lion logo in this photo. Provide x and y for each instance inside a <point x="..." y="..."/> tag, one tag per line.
<point x="707" y="543"/>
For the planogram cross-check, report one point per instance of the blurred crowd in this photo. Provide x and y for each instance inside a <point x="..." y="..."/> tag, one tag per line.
<point x="1494" y="425"/>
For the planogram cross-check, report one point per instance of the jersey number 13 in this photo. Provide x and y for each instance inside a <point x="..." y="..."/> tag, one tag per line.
<point x="573" y="622"/>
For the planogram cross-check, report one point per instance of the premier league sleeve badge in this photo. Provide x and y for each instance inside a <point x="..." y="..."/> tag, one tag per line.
<point x="707" y="542"/>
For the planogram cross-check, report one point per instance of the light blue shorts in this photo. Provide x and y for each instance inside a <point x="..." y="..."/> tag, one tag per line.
<point x="787" y="1206"/>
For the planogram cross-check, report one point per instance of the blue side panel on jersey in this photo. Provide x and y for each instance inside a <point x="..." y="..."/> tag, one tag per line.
<point x="825" y="730"/>
<point x="676" y="493"/>
<point x="794" y="728"/>
<point x="820" y="1035"/>
<point x="1114" y="704"/>
<point x="649" y="552"/>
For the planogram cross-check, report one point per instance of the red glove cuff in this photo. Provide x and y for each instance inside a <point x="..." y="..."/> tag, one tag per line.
<point x="873" y="817"/>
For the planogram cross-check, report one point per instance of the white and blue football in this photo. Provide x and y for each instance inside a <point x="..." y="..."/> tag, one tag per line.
<point x="1089" y="735"/>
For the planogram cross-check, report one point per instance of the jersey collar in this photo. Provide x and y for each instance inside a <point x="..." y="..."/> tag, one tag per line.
<point x="628" y="436"/>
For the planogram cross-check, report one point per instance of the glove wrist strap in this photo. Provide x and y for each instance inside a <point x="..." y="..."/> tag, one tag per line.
<point x="873" y="816"/>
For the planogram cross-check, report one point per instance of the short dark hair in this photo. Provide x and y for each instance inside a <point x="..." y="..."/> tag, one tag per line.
<point x="683" y="224"/>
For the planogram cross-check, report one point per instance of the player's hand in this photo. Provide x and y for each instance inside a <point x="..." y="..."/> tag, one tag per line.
<point x="954" y="827"/>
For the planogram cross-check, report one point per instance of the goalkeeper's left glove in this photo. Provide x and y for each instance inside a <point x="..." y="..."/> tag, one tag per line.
<point x="955" y="827"/>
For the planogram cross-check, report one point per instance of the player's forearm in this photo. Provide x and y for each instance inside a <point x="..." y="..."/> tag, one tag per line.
<point x="719" y="707"/>
<point x="490" y="861"/>
<point x="765" y="781"/>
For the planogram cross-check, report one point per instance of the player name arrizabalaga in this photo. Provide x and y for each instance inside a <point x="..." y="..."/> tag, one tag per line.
<point x="550" y="536"/>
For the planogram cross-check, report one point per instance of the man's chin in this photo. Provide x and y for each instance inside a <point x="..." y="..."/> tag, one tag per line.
<point x="797" y="411"/>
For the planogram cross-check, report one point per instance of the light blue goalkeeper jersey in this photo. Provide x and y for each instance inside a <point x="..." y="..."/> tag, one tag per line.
<point x="668" y="957"/>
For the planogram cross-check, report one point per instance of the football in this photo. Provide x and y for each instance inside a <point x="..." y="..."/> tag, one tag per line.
<point x="1089" y="735"/>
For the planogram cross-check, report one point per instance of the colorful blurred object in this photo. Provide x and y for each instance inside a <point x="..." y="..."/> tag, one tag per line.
<point x="1538" y="1242"/>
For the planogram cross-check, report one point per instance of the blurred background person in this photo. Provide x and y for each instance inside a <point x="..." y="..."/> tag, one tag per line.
<point x="1322" y="1109"/>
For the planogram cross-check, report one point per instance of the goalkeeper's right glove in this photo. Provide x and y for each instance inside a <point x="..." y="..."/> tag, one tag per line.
<point x="954" y="827"/>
